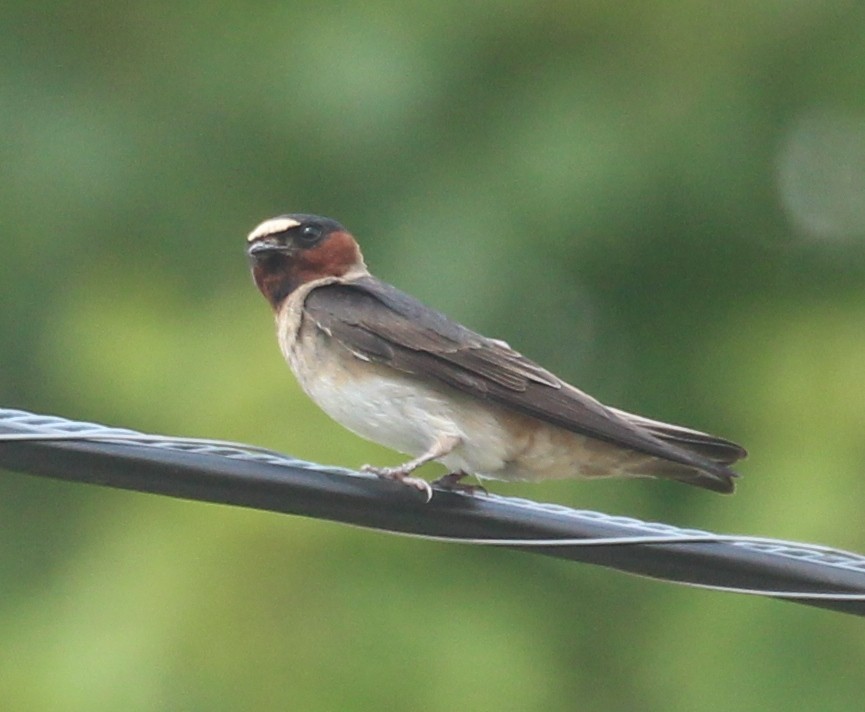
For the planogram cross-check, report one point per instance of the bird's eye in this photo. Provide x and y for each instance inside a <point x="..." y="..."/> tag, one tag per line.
<point x="310" y="234"/>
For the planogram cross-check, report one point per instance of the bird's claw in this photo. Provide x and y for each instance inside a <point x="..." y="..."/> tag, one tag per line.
<point x="390" y="473"/>
<point x="398" y="474"/>
<point x="418" y="484"/>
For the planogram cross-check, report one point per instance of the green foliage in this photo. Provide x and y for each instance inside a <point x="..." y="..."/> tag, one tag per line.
<point x="660" y="201"/>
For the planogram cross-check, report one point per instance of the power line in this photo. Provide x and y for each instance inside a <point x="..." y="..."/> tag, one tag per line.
<point x="242" y="475"/>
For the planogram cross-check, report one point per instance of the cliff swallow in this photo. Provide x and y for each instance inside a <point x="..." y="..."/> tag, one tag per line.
<point x="401" y="374"/>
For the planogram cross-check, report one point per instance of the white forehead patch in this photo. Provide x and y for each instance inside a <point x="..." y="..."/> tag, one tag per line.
<point x="272" y="227"/>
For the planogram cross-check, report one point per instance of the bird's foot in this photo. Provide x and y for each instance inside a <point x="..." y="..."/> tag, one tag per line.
<point x="452" y="482"/>
<point x="401" y="474"/>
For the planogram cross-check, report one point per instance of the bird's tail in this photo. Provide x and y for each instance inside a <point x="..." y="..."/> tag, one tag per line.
<point x="717" y="453"/>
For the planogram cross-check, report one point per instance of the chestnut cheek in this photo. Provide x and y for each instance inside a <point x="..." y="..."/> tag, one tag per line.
<point x="335" y="256"/>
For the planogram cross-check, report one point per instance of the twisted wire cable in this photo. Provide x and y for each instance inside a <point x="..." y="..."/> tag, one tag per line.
<point x="244" y="475"/>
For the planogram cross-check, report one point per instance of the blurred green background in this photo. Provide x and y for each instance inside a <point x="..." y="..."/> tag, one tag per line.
<point x="662" y="201"/>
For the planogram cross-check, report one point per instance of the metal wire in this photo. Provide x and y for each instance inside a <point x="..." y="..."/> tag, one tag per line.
<point x="238" y="474"/>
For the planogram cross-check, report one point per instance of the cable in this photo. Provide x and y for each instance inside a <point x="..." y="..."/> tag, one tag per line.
<point x="242" y="475"/>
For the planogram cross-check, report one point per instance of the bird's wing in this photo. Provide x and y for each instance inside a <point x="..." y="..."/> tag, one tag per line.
<point x="379" y="323"/>
<point x="709" y="446"/>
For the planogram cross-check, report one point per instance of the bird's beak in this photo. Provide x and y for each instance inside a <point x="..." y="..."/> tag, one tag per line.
<point x="265" y="246"/>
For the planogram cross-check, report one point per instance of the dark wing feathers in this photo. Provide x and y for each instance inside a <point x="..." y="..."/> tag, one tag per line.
<point x="709" y="446"/>
<point x="377" y="322"/>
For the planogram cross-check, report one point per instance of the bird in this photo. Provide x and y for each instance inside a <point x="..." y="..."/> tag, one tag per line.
<point x="402" y="374"/>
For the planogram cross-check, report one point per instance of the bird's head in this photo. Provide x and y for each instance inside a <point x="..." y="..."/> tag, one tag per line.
<point x="289" y="251"/>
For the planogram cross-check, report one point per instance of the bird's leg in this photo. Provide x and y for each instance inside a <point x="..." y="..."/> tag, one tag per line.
<point x="452" y="482"/>
<point x="441" y="447"/>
